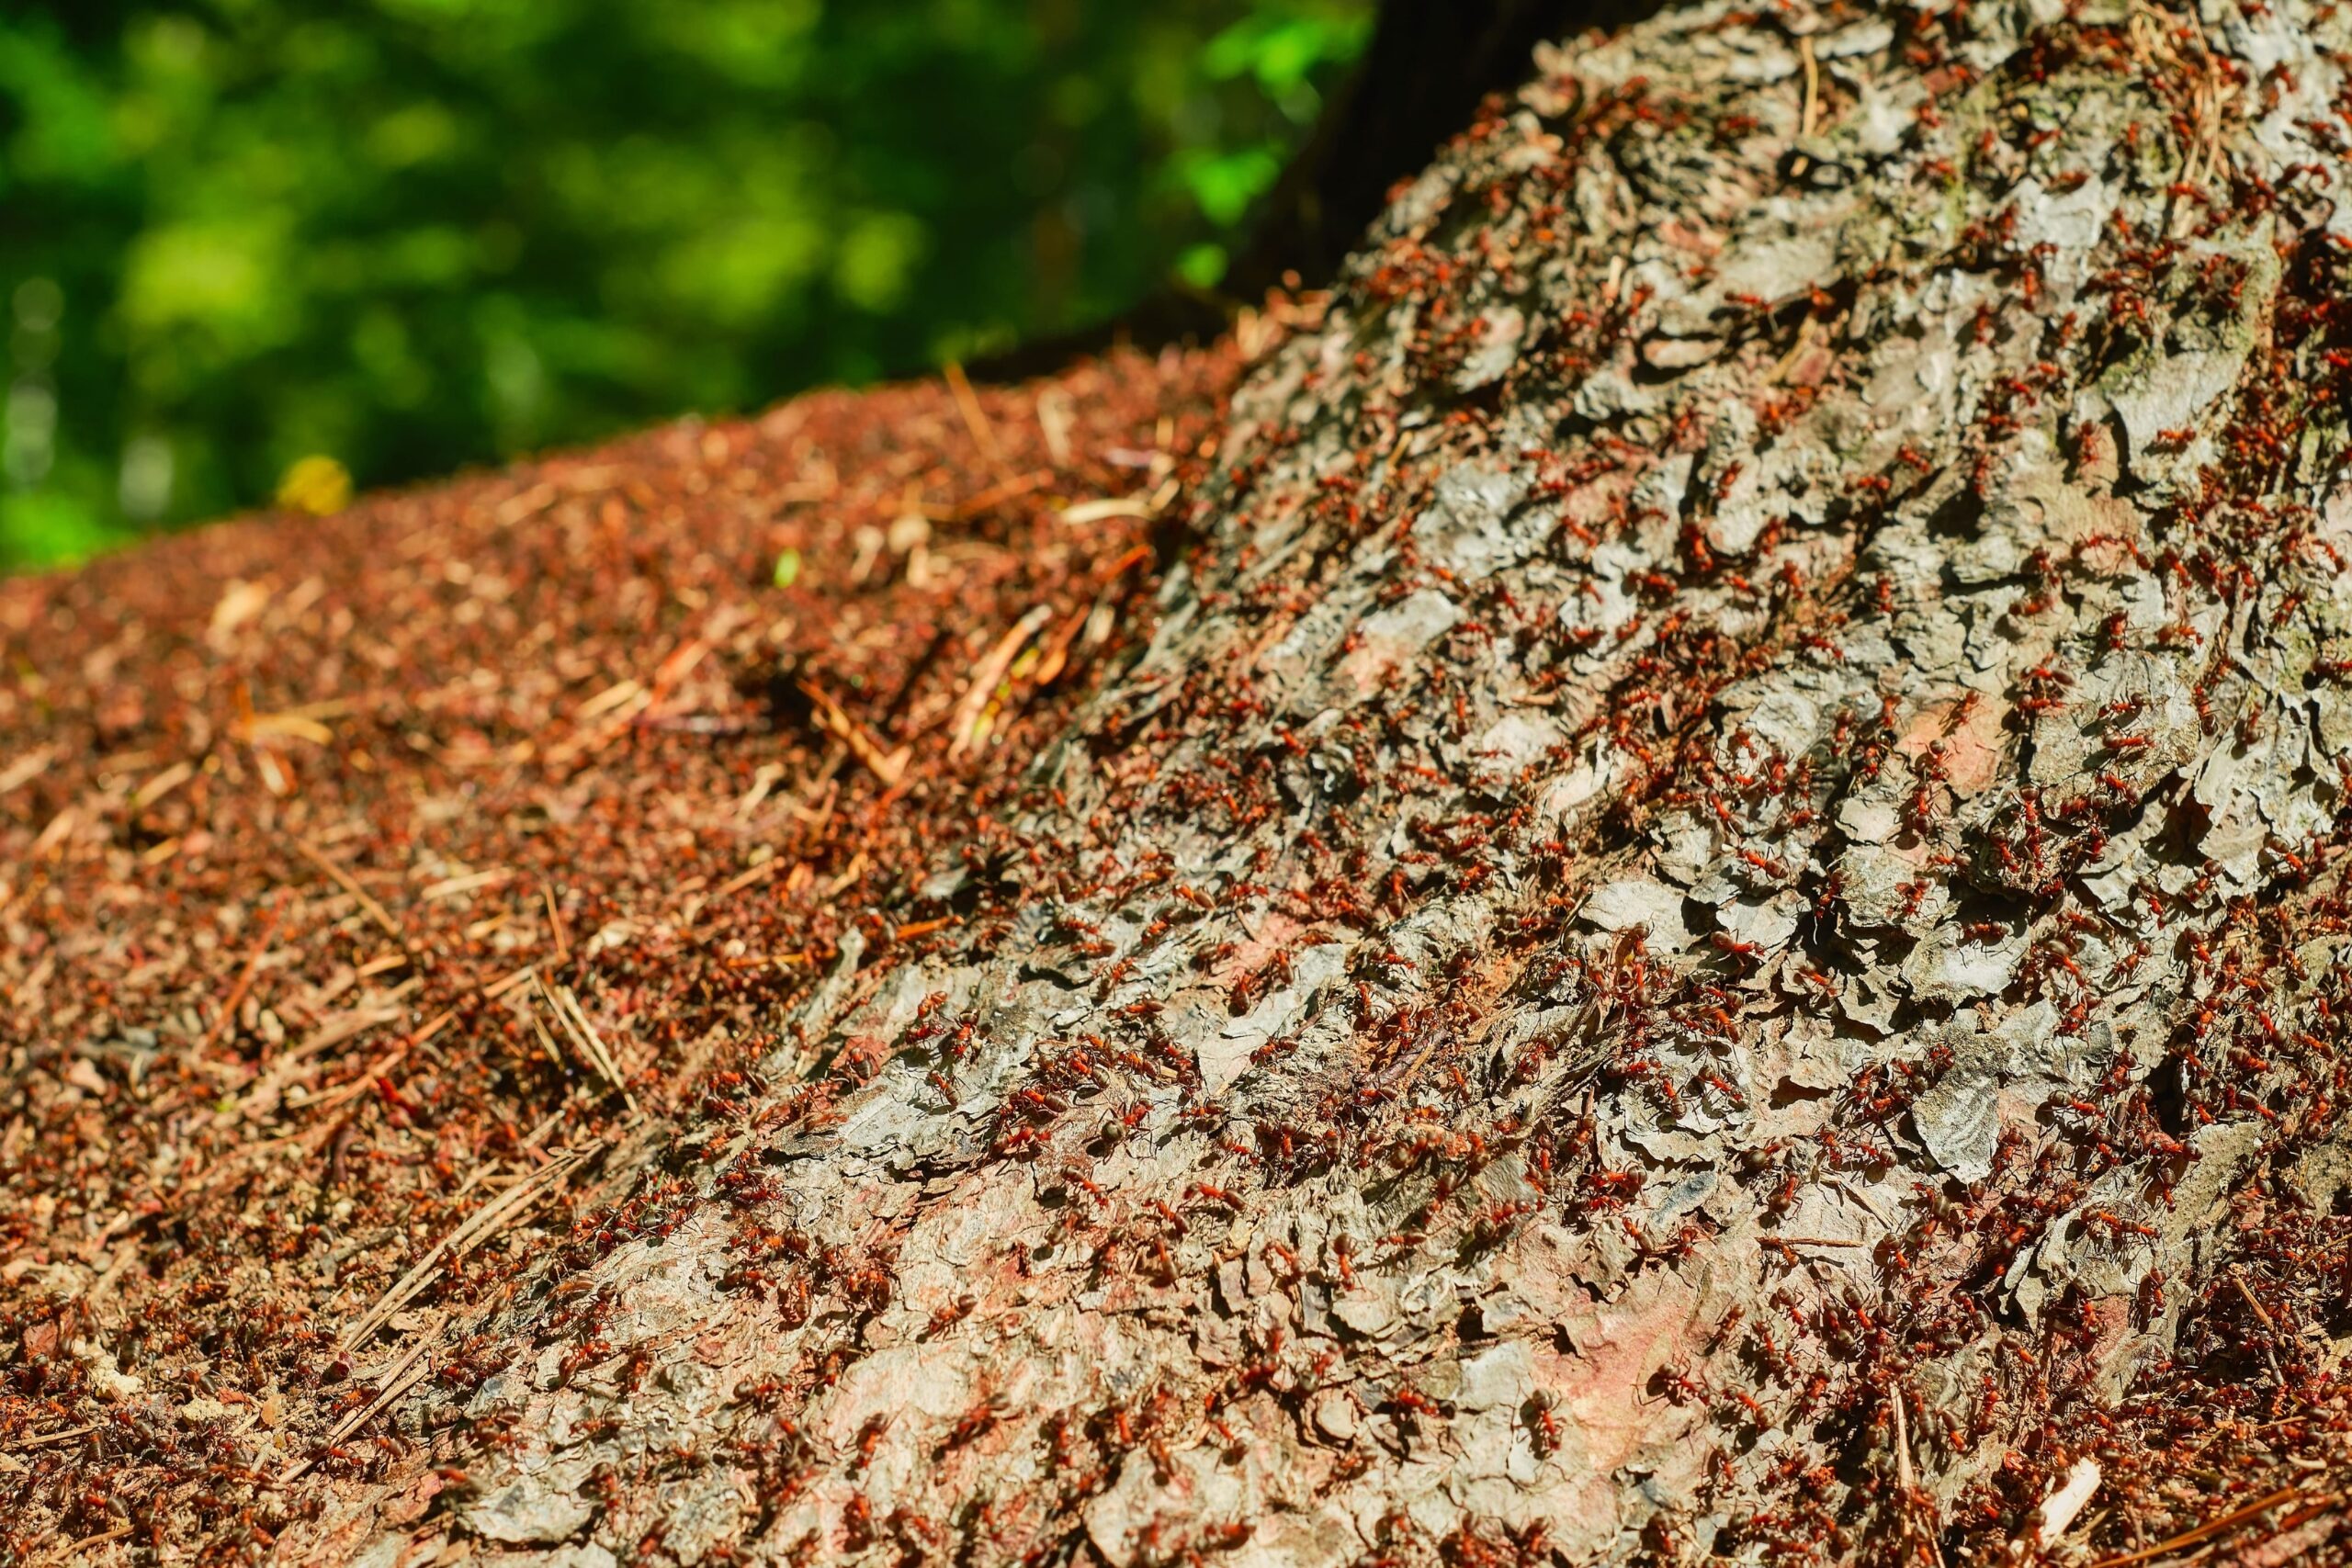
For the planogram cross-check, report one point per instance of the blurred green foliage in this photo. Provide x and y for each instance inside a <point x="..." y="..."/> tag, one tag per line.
<point x="411" y="234"/>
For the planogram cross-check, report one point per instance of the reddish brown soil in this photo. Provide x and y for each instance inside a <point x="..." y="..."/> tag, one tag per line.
<point x="288" y="805"/>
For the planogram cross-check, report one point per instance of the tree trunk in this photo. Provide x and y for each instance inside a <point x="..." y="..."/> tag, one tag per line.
<point x="1429" y="64"/>
<point x="1709" y="926"/>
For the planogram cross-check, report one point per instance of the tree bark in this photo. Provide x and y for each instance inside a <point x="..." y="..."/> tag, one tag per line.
<point x="1710" y="926"/>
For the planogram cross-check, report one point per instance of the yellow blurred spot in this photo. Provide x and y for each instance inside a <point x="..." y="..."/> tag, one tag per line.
<point x="316" y="484"/>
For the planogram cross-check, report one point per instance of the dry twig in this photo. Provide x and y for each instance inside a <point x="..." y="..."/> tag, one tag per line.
<point x="350" y="885"/>
<point x="485" y="1222"/>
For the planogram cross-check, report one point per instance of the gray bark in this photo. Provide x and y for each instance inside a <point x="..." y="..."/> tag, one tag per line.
<point x="1672" y="893"/>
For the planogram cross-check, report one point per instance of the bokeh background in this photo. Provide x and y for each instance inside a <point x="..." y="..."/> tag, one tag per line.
<point x="269" y="248"/>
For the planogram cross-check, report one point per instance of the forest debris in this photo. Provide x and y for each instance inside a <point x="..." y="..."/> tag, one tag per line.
<point x="678" y="664"/>
<point x="1136" y="506"/>
<point x="26" y="769"/>
<point x="525" y="503"/>
<point x="764" y="779"/>
<point x="621" y="694"/>
<point x="566" y="1007"/>
<point x="1055" y="655"/>
<point x="42" y="1441"/>
<point x="484" y="1224"/>
<point x="2228" y="1521"/>
<point x="555" y="924"/>
<point x="402" y="1375"/>
<point x="350" y="885"/>
<point x="2059" y="1509"/>
<point x="976" y="419"/>
<point x="509" y="980"/>
<point x="465" y="882"/>
<point x="742" y="879"/>
<point x="263" y="1097"/>
<point x="612" y="710"/>
<point x="988" y="673"/>
<point x="240" y="601"/>
<point x="236" y="996"/>
<point x="2261" y="1315"/>
<point x="850" y="874"/>
<point x="87" y="1544"/>
<point x="914" y="929"/>
<point x="344" y="1026"/>
<point x="890" y="767"/>
<point x="155" y="788"/>
<point x="53" y="836"/>
<point x="1054" y="421"/>
<point x="1809" y="115"/>
<point x="292" y="724"/>
<point x="987" y="499"/>
<point x="373" y="1073"/>
<point x="99" y="921"/>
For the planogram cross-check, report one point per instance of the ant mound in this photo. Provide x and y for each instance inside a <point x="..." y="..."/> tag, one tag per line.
<point x="1665" y="881"/>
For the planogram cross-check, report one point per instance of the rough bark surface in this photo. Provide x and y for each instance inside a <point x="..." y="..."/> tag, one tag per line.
<point x="1710" y="924"/>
